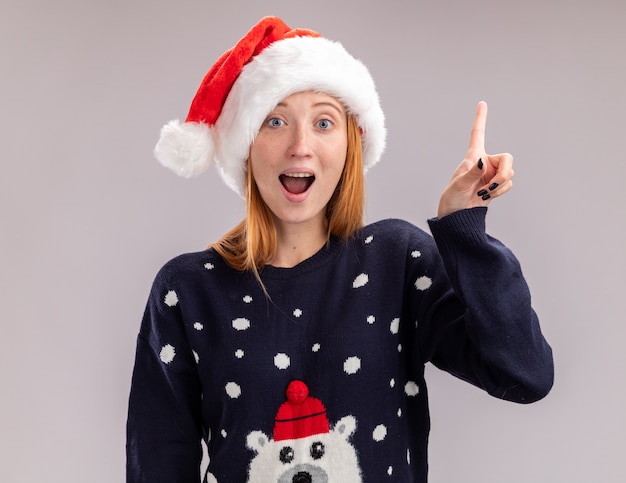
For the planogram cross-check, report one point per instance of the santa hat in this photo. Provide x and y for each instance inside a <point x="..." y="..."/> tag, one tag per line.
<point x="271" y="62"/>
<point x="301" y="416"/>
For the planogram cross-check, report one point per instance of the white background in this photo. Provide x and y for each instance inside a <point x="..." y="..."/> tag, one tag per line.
<point x="87" y="216"/>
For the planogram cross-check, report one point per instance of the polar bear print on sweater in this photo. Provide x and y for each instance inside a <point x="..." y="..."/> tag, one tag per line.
<point x="304" y="448"/>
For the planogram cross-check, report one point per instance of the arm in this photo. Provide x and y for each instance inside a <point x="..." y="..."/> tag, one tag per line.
<point x="485" y="331"/>
<point x="164" y="424"/>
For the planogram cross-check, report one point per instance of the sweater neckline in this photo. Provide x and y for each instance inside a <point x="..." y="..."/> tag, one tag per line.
<point x="328" y="252"/>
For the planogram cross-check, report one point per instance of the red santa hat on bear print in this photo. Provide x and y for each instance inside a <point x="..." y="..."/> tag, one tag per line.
<point x="271" y="62"/>
<point x="301" y="415"/>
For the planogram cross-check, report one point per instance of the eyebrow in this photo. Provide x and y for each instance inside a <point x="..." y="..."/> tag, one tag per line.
<point x="330" y="104"/>
<point x="317" y="104"/>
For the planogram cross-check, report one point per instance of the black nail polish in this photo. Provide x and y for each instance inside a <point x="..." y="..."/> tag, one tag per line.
<point x="482" y="192"/>
<point x="486" y="197"/>
<point x="493" y="186"/>
<point x="480" y="163"/>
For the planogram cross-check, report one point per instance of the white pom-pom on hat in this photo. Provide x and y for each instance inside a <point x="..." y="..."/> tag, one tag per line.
<point x="187" y="149"/>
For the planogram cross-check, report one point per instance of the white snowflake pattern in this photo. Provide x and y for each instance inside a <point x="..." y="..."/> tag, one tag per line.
<point x="198" y="326"/>
<point x="423" y="283"/>
<point x="399" y="412"/>
<point x="171" y="299"/>
<point x="411" y="388"/>
<point x="360" y="280"/>
<point x="399" y="347"/>
<point x="369" y="239"/>
<point x="224" y="433"/>
<point x="416" y="254"/>
<point x="196" y="356"/>
<point x="209" y="266"/>
<point x="395" y="325"/>
<point x="371" y="319"/>
<point x="316" y="347"/>
<point x="167" y="353"/>
<point x="247" y="299"/>
<point x="241" y="324"/>
<point x="352" y="365"/>
<point x="282" y="361"/>
<point x="380" y="432"/>
<point x="392" y="383"/>
<point x="297" y="312"/>
<point x="233" y="390"/>
<point x="239" y="354"/>
<point x="390" y="470"/>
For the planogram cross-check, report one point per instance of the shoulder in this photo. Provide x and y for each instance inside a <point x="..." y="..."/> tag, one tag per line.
<point x="394" y="231"/>
<point x="190" y="266"/>
<point x="394" y="241"/>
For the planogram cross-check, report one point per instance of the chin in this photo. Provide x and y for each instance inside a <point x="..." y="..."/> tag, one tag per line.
<point x="288" y="217"/>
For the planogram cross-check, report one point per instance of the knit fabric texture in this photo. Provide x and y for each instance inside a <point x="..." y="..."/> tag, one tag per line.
<point x="355" y="325"/>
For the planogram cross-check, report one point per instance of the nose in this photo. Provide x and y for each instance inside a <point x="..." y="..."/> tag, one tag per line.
<point x="302" y="477"/>
<point x="300" y="143"/>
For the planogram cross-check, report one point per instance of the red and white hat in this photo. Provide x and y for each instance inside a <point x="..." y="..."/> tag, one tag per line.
<point x="271" y="62"/>
<point x="301" y="415"/>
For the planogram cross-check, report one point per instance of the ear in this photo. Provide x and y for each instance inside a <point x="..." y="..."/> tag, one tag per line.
<point x="345" y="426"/>
<point x="256" y="441"/>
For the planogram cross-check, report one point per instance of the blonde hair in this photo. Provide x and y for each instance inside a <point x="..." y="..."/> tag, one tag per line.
<point x="252" y="243"/>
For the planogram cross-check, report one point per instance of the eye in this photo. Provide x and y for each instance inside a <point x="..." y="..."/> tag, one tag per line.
<point x="317" y="450"/>
<point x="275" y="122"/>
<point x="324" y="124"/>
<point x="287" y="454"/>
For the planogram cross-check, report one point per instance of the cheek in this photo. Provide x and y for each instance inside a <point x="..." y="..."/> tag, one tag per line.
<point x="266" y="143"/>
<point x="260" y="164"/>
<point x="338" y="161"/>
<point x="260" y="152"/>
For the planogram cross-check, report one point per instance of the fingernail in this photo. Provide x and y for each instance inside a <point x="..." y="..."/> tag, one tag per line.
<point x="482" y="193"/>
<point x="486" y="197"/>
<point x="493" y="186"/>
<point x="480" y="163"/>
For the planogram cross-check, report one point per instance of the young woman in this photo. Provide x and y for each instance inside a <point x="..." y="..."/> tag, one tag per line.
<point x="295" y="346"/>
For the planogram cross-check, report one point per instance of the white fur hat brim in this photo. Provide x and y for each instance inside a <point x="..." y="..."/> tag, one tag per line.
<point x="284" y="68"/>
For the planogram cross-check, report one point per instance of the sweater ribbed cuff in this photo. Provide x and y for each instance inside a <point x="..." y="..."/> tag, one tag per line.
<point x="464" y="227"/>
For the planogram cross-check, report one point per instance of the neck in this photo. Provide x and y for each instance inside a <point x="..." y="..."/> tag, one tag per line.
<point x="296" y="243"/>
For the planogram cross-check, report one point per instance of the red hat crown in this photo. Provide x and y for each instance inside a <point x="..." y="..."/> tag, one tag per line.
<point x="301" y="415"/>
<point x="218" y="81"/>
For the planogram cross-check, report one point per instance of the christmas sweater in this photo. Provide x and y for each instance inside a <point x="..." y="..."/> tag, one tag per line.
<point x="321" y="379"/>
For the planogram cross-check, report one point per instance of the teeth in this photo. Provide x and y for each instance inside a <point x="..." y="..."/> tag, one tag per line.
<point x="299" y="175"/>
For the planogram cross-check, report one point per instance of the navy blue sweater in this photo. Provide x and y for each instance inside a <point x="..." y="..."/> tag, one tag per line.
<point x="354" y="325"/>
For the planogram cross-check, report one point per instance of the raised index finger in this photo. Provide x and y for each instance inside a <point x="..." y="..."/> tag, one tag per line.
<point x="477" y="136"/>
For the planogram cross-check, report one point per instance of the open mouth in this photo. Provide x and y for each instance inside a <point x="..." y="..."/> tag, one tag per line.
<point x="296" y="183"/>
